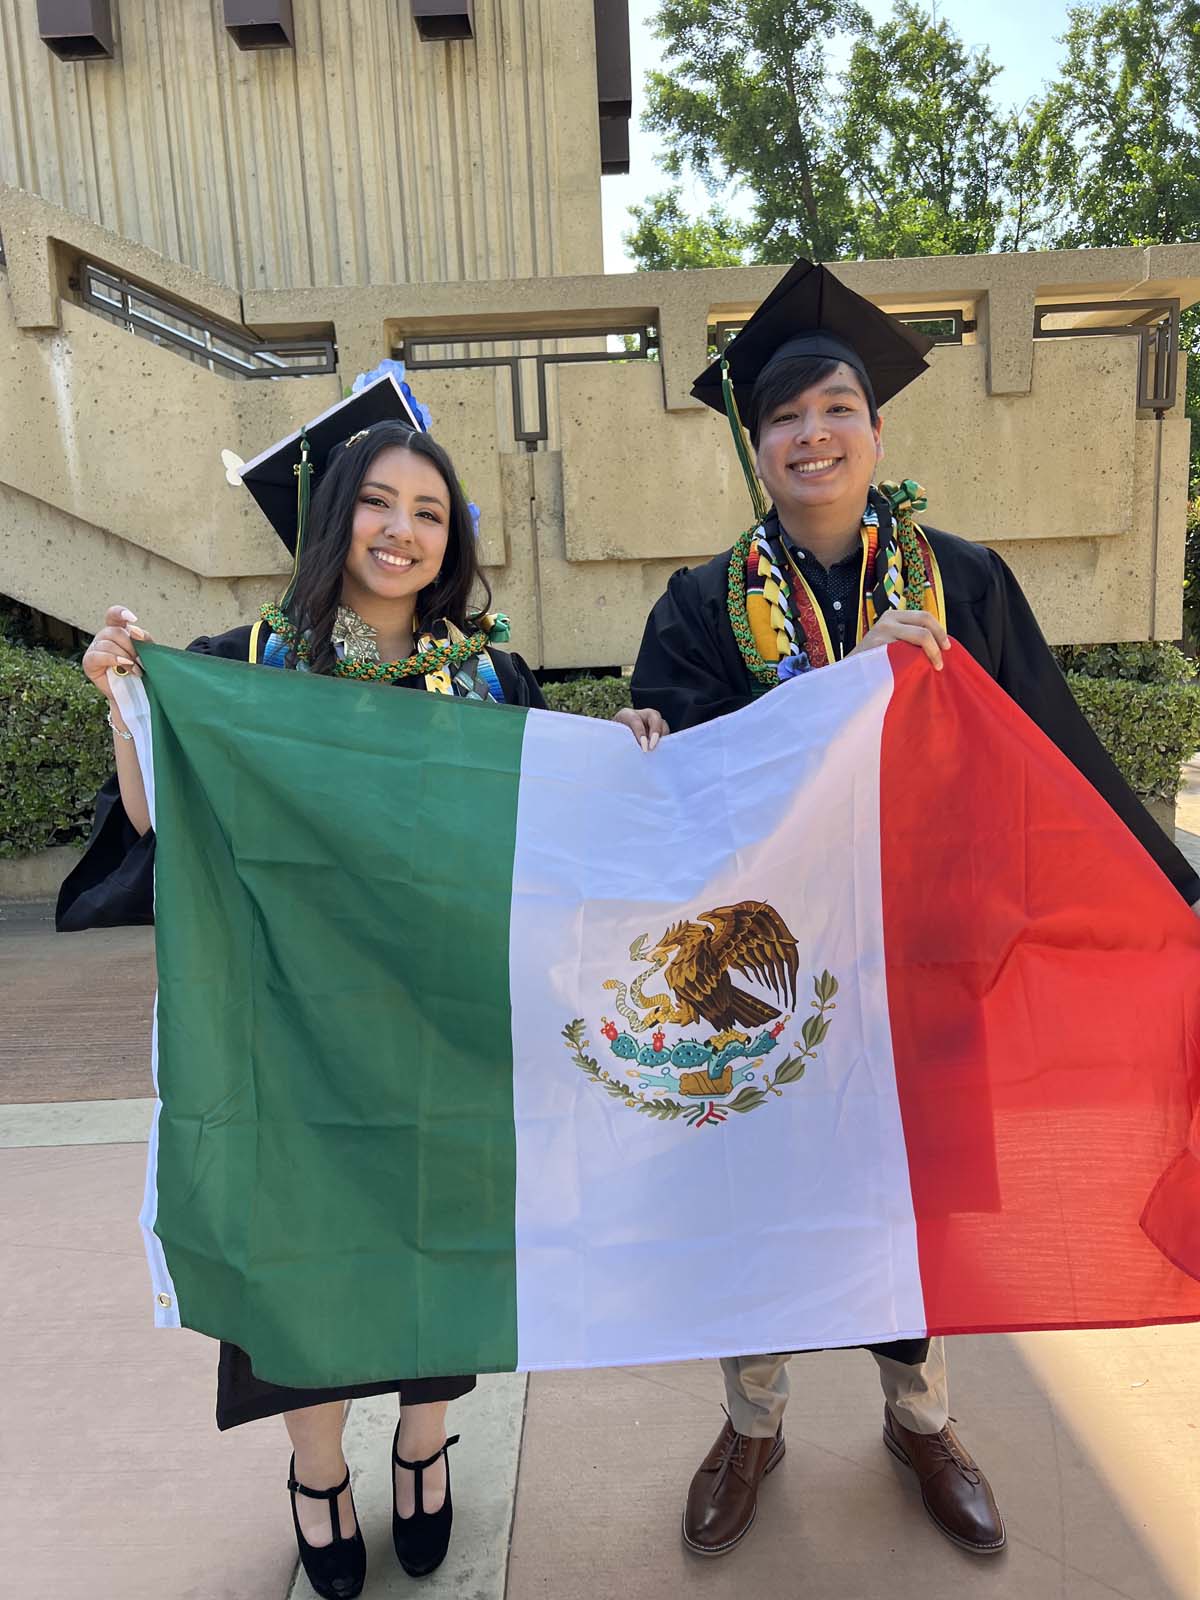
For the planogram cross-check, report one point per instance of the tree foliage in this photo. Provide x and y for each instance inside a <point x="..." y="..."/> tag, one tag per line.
<point x="1119" y="126"/>
<point x="664" y="237"/>
<point x="906" y="153"/>
<point x="1119" y="136"/>
<point x="926" y="152"/>
<point x="744" y="102"/>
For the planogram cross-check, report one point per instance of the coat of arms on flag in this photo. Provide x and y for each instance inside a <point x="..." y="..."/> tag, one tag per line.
<point x="698" y="1074"/>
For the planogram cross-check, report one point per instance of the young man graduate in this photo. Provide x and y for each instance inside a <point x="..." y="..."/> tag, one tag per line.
<point x="836" y="565"/>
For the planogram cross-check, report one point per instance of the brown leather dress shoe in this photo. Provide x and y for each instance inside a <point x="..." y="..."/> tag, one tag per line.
<point x="722" y="1501"/>
<point x="956" y="1494"/>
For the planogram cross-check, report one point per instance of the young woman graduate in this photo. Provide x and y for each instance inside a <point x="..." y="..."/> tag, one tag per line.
<point x="835" y="565"/>
<point x="383" y="589"/>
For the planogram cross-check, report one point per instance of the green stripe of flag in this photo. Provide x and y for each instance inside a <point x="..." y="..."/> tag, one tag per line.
<point x="333" y="938"/>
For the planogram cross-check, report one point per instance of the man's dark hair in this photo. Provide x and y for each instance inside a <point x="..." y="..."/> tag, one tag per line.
<point x="318" y="591"/>
<point x="783" y="382"/>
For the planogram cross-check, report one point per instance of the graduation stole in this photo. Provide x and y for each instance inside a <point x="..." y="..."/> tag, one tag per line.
<point x="776" y="619"/>
<point x="449" y="660"/>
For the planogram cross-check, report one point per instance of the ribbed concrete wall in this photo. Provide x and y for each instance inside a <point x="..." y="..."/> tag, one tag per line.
<point x="362" y="156"/>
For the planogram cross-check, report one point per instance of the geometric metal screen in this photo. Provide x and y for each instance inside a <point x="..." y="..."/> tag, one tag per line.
<point x="527" y="368"/>
<point x="1153" y="323"/>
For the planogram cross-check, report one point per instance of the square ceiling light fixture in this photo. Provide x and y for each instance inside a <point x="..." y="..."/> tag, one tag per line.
<point x="76" y="30"/>
<point x="260" y="24"/>
<point x="444" y="19"/>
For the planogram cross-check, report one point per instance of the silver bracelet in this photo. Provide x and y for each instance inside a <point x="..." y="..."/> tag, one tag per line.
<point x="121" y="733"/>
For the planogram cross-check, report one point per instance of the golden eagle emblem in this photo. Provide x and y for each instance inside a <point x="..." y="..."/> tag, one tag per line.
<point x="705" y="1076"/>
<point x="697" y="958"/>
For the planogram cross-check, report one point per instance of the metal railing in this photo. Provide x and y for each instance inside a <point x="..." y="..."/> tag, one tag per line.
<point x="217" y="345"/>
<point x="943" y="327"/>
<point x="236" y="351"/>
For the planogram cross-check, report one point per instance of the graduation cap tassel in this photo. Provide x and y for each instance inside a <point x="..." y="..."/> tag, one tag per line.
<point x="303" y="471"/>
<point x="757" y="498"/>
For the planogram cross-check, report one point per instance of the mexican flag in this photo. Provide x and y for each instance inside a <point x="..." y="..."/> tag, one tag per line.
<point x="486" y="1041"/>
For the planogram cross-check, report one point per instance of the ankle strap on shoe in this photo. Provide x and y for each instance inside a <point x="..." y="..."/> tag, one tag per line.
<point x="316" y="1494"/>
<point x="419" y="1466"/>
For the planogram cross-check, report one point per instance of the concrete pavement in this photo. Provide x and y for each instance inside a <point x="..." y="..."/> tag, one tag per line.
<point x="569" y="1488"/>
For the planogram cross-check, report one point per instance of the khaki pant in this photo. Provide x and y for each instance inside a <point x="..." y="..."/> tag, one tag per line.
<point x="757" y="1391"/>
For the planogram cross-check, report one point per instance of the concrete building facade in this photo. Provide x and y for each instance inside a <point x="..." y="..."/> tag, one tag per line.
<point x="303" y="213"/>
<point x="364" y="153"/>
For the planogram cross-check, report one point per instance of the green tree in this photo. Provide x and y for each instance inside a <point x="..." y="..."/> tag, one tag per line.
<point x="1119" y="125"/>
<point x="744" y="100"/>
<point x="927" y="154"/>
<point x="1028" y="210"/>
<point x="664" y="237"/>
<point x="907" y="155"/>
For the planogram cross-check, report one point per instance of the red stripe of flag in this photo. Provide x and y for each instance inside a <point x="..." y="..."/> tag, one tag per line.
<point x="1044" y="990"/>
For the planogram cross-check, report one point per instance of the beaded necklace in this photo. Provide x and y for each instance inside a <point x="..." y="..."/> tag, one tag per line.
<point x="436" y="658"/>
<point x="908" y="579"/>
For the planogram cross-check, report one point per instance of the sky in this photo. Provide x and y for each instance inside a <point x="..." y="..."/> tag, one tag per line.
<point x="1021" y="35"/>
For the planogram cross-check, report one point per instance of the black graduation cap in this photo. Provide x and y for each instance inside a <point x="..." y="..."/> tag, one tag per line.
<point x="275" y="478"/>
<point x="812" y="313"/>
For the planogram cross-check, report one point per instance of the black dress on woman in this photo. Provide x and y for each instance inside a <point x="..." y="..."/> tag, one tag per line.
<point x="111" y="886"/>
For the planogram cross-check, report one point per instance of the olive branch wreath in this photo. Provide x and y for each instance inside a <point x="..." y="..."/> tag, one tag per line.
<point x="748" y="1098"/>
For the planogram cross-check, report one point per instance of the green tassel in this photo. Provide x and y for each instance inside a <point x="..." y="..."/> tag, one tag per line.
<point x="303" y="494"/>
<point x="757" y="498"/>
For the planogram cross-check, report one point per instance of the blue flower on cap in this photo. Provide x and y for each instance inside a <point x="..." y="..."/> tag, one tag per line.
<point x="793" y="666"/>
<point x="395" y="369"/>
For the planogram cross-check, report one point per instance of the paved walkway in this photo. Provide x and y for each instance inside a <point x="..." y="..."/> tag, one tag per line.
<point x="570" y="1487"/>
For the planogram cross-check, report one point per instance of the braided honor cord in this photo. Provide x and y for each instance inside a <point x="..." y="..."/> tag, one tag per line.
<point x="905" y="498"/>
<point x="421" y="663"/>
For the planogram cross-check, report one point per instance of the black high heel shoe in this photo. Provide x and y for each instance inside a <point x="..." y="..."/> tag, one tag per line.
<point x="422" y="1540"/>
<point x="336" y="1571"/>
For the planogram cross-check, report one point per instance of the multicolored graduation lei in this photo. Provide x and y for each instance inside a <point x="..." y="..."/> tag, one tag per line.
<point x="776" y="618"/>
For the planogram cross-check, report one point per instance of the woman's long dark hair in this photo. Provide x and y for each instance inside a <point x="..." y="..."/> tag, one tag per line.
<point x="458" y="593"/>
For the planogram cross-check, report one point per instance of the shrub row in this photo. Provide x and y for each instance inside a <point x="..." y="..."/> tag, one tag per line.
<point x="1155" y="662"/>
<point x="55" y="749"/>
<point x="1149" y="729"/>
<point x="588" y="697"/>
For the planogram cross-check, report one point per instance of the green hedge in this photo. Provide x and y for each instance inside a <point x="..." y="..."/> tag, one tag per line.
<point x="1133" y="663"/>
<point x="1144" y="703"/>
<point x="55" y="750"/>
<point x="588" y="697"/>
<point x="1149" y="729"/>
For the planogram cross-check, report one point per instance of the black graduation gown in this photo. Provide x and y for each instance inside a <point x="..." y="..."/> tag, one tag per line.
<point x="690" y="669"/>
<point x="112" y="885"/>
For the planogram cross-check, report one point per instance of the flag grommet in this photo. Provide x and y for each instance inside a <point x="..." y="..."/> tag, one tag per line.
<point x="164" y="1299"/>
